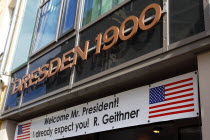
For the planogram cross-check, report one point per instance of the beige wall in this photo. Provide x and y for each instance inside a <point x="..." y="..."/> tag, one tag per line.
<point x="6" y="11"/>
<point x="204" y="84"/>
<point x="3" y="90"/>
<point x="15" y="36"/>
<point x="8" y="130"/>
<point x="6" y="5"/>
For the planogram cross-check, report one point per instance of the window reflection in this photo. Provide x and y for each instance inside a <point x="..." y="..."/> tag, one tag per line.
<point x="47" y="24"/>
<point x="58" y="81"/>
<point x="95" y="8"/>
<point x="142" y="43"/>
<point x="13" y="100"/>
<point x="69" y="15"/>
<point x="186" y="18"/>
<point x="26" y="33"/>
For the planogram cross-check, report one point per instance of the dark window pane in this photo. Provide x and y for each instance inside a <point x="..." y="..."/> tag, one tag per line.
<point x="186" y="18"/>
<point x="83" y="137"/>
<point x="61" y="79"/>
<point x="26" y="32"/>
<point x="167" y="132"/>
<point x="69" y="15"/>
<point x="142" y="43"/>
<point x="14" y="100"/>
<point x="170" y="130"/>
<point x="95" y="8"/>
<point x="190" y="133"/>
<point x="47" y="24"/>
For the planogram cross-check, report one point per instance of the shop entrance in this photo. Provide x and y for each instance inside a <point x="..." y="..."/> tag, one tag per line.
<point x="186" y="129"/>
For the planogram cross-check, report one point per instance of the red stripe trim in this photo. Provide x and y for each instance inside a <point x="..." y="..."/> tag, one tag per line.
<point x="181" y="81"/>
<point x="171" y="113"/>
<point x="181" y="96"/>
<point x="172" y="103"/>
<point x="25" y="132"/>
<point x="26" y="124"/>
<point x="185" y="85"/>
<point x="25" y="129"/>
<point x="172" y="93"/>
<point x="24" y="138"/>
<point x="23" y="135"/>
<point x="171" y="108"/>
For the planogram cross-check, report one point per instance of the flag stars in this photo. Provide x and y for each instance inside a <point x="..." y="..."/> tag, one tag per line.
<point x="156" y="95"/>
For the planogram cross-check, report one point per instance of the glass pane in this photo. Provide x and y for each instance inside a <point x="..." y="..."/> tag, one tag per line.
<point x="26" y="32"/>
<point x="14" y="100"/>
<point x="69" y="15"/>
<point x="186" y="18"/>
<point x="61" y="79"/>
<point x="190" y="133"/>
<point x="185" y="129"/>
<point x="95" y="8"/>
<point x="167" y="132"/>
<point x="142" y="43"/>
<point x="47" y="24"/>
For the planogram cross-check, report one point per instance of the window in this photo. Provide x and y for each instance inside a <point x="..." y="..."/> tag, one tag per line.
<point x="47" y="24"/>
<point x="95" y="8"/>
<point x="26" y="33"/>
<point x="182" y="23"/>
<point x="48" y="21"/>
<point x="14" y="100"/>
<point x="69" y="16"/>
<point x="58" y="81"/>
<point x="124" y="51"/>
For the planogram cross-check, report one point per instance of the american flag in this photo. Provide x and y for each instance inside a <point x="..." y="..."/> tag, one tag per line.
<point x="171" y="99"/>
<point x="23" y="131"/>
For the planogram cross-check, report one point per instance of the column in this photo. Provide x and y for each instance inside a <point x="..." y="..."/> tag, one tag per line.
<point x="204" y="84"/>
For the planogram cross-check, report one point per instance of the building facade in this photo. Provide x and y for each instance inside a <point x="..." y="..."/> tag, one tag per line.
<point x="107" y="69"/>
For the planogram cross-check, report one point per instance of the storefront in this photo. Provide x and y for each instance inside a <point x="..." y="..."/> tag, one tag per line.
<point x="120" y="69"/>
<point x="163" y="109"/>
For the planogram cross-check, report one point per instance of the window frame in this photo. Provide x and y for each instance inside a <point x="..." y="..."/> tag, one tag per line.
<point x="58" y="36"/>
<point x="190" y="39"/>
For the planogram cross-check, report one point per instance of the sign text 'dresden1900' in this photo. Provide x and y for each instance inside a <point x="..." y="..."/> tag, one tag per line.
<point x="59" y="64"/>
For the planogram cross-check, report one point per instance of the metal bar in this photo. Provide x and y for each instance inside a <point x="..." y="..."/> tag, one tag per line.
<point x="78" y="23"/>
<point x="34" y="33"/>
<point x="43" y="3"/>
<point x="62" y="8"/>
<point x="206" y="10"/>
<point x="166" y="37"/>
<point x="22" y="93"/>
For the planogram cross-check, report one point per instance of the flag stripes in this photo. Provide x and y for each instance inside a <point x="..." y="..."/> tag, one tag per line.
<point x="24" y="132"/>
<point x="172" y="98"/>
